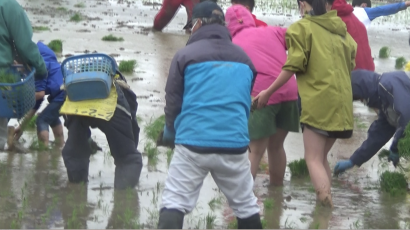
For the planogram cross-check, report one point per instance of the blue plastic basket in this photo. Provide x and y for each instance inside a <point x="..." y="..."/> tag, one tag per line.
<point x="88" y="76"/>
<point x="16" y="99"/>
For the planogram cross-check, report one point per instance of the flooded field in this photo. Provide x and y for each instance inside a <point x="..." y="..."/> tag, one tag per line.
<point x="34" y="190"/>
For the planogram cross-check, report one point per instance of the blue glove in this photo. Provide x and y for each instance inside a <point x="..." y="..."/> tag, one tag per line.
<point x="394" y="158"/>
<point x="168" y="137"/>
<point x="342" y="166"/>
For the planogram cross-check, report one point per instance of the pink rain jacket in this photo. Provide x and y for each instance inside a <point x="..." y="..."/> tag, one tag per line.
<point x="266" y="46"/>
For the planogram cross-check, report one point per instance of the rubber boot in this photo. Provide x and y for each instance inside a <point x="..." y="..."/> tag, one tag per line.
<point x="127" y="175"/>
<point x="252" y="222"/>
<point x="78" y="176"/>
<point x="170" y="219"/>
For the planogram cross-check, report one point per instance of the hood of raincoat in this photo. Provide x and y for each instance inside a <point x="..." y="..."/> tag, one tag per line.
<point x="329" y="21"/>
<point x="342" y="7"/>
<point x="238" y="18"/>
<point x="365" y="86"/>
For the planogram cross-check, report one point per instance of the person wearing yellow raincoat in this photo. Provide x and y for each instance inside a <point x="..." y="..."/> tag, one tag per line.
<point x="322" y="55"/>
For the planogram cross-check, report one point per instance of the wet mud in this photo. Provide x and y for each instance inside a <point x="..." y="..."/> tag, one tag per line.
<point x="35" y="193"/>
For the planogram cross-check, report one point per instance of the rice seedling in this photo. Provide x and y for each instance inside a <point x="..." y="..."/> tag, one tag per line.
<point x="311" y="189"/>
<point x="154" y="128"/>
<point x="263" y="166"/>
<point x="384" y="52"/>
<point x="356" y="225"/>
<point x="404" y="144"/>
<point x="61" y="8"/>
<point x="394" y="183"/>
<point x="289" y="224"/>
<point x="37" y="145"/>
<point x="56" y="46"/>
<point x="127" y="66"/>
<point x="383" y="154"/>
<point x="233" y="224"/>
<point x="268" y="203"/>
<point x="303" y="219"/>
<point x="169" y="153"/>
<point x="210" y="220"/>
<point x="32" y="123"/>
<point x="139" y="119"/>
<point x="298" y="168"/>
<point x="76" y="17"/>
<point x="215" y="202"/>
<point x="40" y="28"/>
<point x="400" y="63"/>
<point x="80" y="5"/>
<point x="112" y="38"/>
<point x="264" y="223"/>
<point x="151" y="151"/>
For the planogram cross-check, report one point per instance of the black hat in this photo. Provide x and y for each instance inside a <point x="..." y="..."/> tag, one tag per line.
<point x="208" y="9"/>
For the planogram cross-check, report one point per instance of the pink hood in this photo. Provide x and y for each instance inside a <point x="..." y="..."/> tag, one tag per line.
<point x="266" y="47"/>
<point x="238" y="18"/>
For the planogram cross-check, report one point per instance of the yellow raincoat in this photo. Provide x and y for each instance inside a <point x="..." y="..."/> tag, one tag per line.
<point x="322" y="54"/>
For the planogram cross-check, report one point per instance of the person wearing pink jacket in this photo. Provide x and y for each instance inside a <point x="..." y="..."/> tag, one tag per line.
<point x="268" y="127"/>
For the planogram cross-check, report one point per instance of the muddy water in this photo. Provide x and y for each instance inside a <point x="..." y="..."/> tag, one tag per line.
<point x="34" y="192"/>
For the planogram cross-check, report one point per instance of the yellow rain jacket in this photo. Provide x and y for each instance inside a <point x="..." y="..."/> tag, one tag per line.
<point x="322" y="54"/>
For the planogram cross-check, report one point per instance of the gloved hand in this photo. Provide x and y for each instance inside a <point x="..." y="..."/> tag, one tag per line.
<point x="166" y="138"/>
<point x="342" y="166"/>
<point x="394" y="158"/>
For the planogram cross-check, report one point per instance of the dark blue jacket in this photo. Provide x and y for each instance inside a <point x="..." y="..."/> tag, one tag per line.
<point x="52" y="84"/>
<point x="208" y="93"/>
<point x="390" y="93"/>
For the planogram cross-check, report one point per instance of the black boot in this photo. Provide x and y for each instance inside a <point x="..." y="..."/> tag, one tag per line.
<point x="170" y="219"/>
<point x="127" y="175"/>
<point x="78" y="176"/>
<point x="252" y="222"/>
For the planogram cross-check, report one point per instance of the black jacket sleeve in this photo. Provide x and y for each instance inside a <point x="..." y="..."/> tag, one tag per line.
<point x="174" y="91"/>
<point x="379" y="133"/>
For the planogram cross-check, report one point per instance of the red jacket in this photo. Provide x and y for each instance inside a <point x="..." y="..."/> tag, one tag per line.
<point x="258" y="22"/>
<point x="357" y="30"/>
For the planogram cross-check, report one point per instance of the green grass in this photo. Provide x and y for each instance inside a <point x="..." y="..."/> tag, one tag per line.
<point x="6" y="77"/>
<point x="394" y="183"/>
<point x="32" y="123"/>
<point x="80" y="5"/>
<point x="56" y="46"/>
<point x="127" y="66"/>
<point x="384" y="52"/>
<point x="151" y="151"/>
<point x="268" y="203"/>
<point x="233" y="224"/>
<point x="210" y="220"/>
<point x="169" y="153"/>
<point x="76" y="17"/>
<point x="40" y="28"/>
<point x="298" y="168"/>
<point x="112" y="38"/>
<point x="61" y="8"/>
<point x="154" y="128"/>
<point x="404" y="144"/>
<point x="400" y="63"/>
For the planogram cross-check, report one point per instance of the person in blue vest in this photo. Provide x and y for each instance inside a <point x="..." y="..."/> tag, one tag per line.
<point x="389" y="93"/>
<point x="366" y="14"/>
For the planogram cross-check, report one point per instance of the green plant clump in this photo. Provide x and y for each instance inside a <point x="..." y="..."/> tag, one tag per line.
<point x="112" y="38"/>
<point x="80" y="5"/>
<point x="298" y="168"/>
<point x="404" y="144"/>
<point x="40" y="28"/>
<point x="384" y="154"/>
<point x="384" y="52"/>
<point x="127" y="66"/>
<point x="400" y="63"/>
<point x="394" y="183"/>
<point x="154" y="128"/>
<point x="268" y="203"/>
<point x="76" y="17"/>
<point x="56" y="46"/>
<point x="32" y="123"/>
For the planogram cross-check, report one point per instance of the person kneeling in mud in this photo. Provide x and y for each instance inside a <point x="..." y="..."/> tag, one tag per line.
<point x="207" y="109"/>
<point x="122" y="133"/>
<point x="389" y="93"/>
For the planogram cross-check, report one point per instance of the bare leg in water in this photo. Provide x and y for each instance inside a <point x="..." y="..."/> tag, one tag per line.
<point x="277" y="157"/>
<point x="316" y="159"/>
